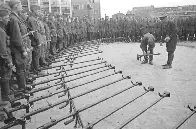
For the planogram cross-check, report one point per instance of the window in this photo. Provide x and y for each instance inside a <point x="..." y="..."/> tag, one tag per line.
<point x="96" y="12"/>
<point x="82" y="6"/>
<point x="76" y="7"/>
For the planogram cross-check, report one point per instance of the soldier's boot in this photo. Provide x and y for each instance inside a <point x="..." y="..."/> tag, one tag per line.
<point x="21" y="81"/>
<point x="5" y="90"/>
<point x="144" y="61"/>
<point x="29" y="79"/>
<point x="151" y="62"/>
<point x="151" y="58"/>
<point x="165" y="65"/>
<point x="169" y="61"/>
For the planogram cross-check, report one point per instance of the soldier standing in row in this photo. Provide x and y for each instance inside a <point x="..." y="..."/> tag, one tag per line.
<point x="27" y="44"/>
<point x="60" y="34"/>
<point x="48" y="38"/>
<point x="35" y="39"/>
<point x="5" y="57"/>
<point x="43" y="41"/>
<point x="19" y="53"/>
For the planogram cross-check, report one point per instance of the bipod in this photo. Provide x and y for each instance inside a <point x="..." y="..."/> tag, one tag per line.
<point x="78" y="49"/>
<point x="71" y="64"/>
<point x="46" y="81"/>
<point x="54" y="122"/>
<point x="118" y="72"/>
<point x="68" y="52"/>
<point x="31" y="101"/>
<point x="78" y="120"/>
<point x="27" y="116"/>
<point x="72" y="58"/>
<point x="162" y="96"/>
<point x="76" y="54"/>
<point x="91" y="81"/>
<point x="49" y="86"/>
<point x="91" y="125"/>
<point x="27" y="95"/>
<point x="193" y="111"/>
<point x="140" y="56"/>
<point x="83" y="77"/>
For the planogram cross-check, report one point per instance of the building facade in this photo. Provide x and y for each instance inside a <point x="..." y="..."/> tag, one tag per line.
<point x="151" y="11"/>
<point x="87" y="8"/>
<point x="55" y="6"/>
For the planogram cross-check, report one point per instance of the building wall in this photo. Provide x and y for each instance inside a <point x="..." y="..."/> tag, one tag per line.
<point x="65" y="5"/>
<point x="79" y="8"/>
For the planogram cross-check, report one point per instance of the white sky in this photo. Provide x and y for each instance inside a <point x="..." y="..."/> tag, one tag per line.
<point x="110" y="7"/>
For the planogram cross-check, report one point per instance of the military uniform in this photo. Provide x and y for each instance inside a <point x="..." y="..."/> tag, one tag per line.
<point x="53" y="35"/>
<point x="35" y="39"/>
<point x="5" y="60"/>
<point x="147" y="44"/>
<point x="27" y="44"/>
<point x="43" y="42"/>
<point x="48" y="38"/>
<point x="60" y="33"/>
<point x="17" y="47"/>
<point x="171" y="32"/>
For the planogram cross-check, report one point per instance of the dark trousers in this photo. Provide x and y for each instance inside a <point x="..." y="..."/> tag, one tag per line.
<point x="170" y="58"/>
<point x="5" y="74"/>
<point x="53" y="48"/>
<point x="151" y="52"/>
<point x="35" y="57"/>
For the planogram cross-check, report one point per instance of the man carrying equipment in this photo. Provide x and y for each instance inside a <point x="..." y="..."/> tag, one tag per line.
<point x="147" y="44"/>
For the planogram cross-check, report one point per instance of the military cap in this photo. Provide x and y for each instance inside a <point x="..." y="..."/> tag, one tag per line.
<point x="34" y="7"/>
<point x="13" y="2"/>
<point x="4" y="10"/>
<point x="162" y="17"/>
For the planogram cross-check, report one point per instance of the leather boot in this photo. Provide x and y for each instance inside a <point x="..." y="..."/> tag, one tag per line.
<point x="5" y="90"/>
<point x="21" y="81"/>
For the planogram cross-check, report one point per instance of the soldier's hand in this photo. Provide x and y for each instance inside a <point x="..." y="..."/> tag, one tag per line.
<point x="167" y="39"/>
<point x="10" y="65"/>
<point x="25" y="54"/>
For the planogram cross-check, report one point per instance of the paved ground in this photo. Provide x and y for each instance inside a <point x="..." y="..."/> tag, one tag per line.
<point x="179" y="81"/>
<point x="187" y="44"/>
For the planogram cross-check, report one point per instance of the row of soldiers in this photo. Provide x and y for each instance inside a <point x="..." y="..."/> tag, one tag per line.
<point x="34" y="37"/>
<point x="132" y="27"/>
<point x="29" y="39"/>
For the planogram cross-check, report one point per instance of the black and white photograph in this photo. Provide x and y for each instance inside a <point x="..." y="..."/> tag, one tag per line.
<point x="97" y="64"/>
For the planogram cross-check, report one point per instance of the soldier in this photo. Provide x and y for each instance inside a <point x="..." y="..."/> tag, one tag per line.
<point x="5" y="57"/>
<point x="35" y="38"/>
<point x="27" y="44"/>
<point x="48" y="38"/>
<point x="43" y="41"/>
<point x="53" y="34"/>
<point x="171" y="40"/>
<point x="147" y="44"/>
<point x="19" y="54"/>
<point x="65" y="32"/>
<point x="69" y="32"/>
<point x="59" y="27"/>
